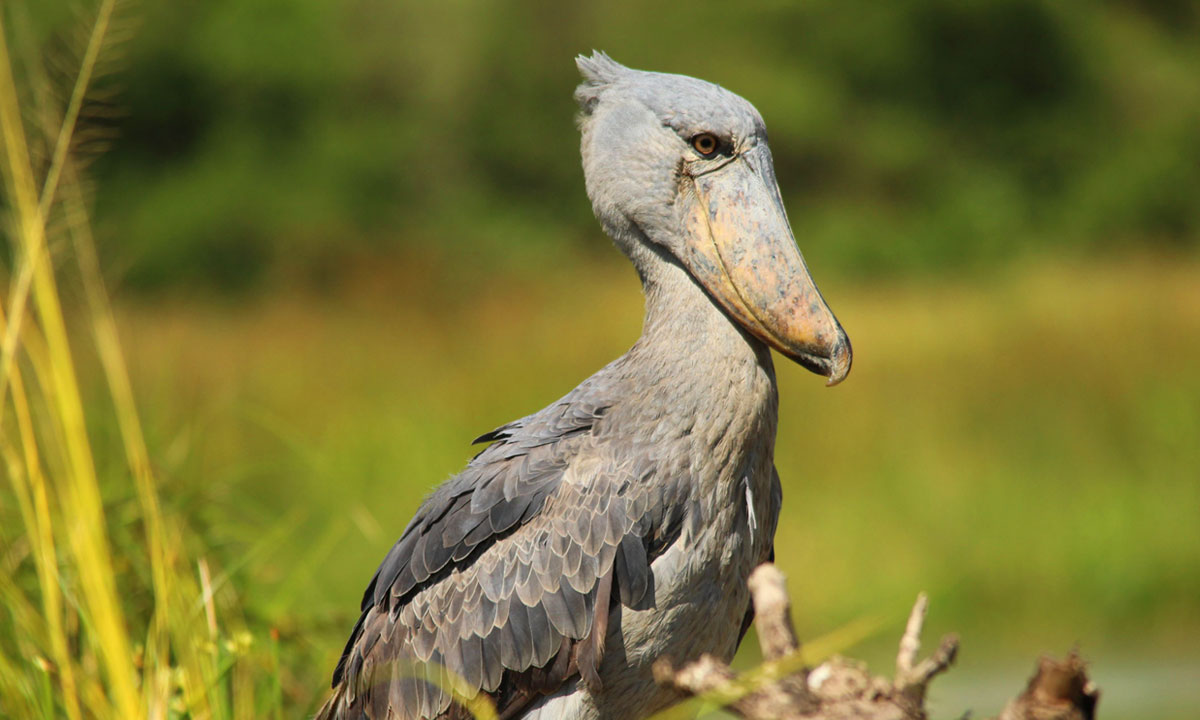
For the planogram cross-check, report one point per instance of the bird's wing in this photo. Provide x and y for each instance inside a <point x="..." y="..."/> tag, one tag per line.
<point x="505" y="574"/>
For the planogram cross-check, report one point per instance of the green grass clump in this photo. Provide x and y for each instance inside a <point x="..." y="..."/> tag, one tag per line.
<point x="110" y="615"/>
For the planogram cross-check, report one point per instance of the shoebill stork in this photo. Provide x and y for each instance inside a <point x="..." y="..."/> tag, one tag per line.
<point x="620" y="523"/>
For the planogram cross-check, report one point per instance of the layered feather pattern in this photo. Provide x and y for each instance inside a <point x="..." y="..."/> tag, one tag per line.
<point x="497" y="575"/>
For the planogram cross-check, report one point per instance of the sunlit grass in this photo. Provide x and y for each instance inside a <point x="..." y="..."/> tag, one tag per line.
<point x="77" y="644"/>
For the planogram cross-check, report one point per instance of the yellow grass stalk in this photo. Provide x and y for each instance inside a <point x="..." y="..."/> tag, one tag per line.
<point x="19" y="291"/>
<point x="29" y="485"/>
<point x="80" y="495"/>
<point x="62" y="146"/>
<point x="104" y="329"/>
<point x="197" y="672"/>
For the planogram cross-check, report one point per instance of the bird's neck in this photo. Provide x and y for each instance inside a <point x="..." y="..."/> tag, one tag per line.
<point x="695" y="362"/>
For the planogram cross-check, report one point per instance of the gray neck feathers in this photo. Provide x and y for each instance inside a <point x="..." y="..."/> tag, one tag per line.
<point x="684" y="322"/>
<point x="692" y="365"/>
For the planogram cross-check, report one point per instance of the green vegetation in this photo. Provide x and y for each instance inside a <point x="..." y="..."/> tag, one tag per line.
<point x="259" y="137"/>
<point x="350" y="237"/>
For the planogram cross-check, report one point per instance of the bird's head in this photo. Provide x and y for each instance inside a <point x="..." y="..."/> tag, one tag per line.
<point x="678" y="165"/>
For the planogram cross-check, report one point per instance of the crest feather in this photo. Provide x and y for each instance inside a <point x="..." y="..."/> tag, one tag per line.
<point x="598" y="71"/>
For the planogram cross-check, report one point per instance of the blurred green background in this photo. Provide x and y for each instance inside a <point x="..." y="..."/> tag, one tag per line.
<point x="348" y="237"/>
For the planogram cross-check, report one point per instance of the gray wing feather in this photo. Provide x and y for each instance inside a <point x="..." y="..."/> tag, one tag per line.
<point x="472" y="655"/>
<point x="633" y="571"/>
<point x="556" y="611"/>
<point x="545" y="641"/>
<point x="516" y="632"/>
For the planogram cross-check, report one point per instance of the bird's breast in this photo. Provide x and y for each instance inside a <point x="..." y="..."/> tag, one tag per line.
<point x="730" y="504"/>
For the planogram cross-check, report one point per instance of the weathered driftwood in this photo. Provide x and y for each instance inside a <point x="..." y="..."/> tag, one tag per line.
<point x="842" y="689"/>
<point x="1057" y="691"/>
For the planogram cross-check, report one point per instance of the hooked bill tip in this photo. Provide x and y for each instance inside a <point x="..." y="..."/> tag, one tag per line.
<point x="839" y="362"/>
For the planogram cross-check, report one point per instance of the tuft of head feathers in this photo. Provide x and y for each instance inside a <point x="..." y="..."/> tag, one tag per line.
<point x="598" y="71"/>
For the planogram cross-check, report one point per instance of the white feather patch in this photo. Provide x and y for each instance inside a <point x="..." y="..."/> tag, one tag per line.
<point x="751" y="518"/>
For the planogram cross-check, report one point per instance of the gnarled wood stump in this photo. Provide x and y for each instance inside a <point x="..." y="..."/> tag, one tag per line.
<point x="842" y="689"/>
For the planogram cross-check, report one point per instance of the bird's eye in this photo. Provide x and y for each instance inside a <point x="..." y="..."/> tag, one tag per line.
<point x="706" y="144"/>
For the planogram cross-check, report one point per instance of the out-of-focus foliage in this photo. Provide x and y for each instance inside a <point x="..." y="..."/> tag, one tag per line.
<point x="264" y="134"/>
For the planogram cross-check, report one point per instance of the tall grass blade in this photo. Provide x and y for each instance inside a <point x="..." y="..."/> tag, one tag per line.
<point x="80" y="494"/>
<point x="29" y="486"/>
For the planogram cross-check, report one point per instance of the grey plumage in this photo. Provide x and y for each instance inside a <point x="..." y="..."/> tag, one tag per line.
<point x="620" y="522"/>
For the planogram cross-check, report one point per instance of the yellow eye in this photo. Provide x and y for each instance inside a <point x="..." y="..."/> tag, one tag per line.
<point x="706" y="144"/>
